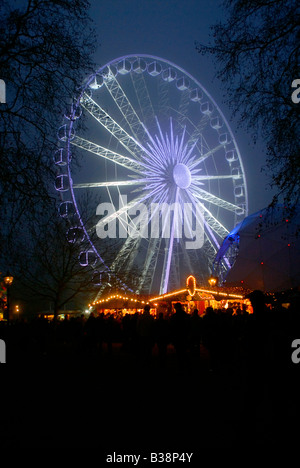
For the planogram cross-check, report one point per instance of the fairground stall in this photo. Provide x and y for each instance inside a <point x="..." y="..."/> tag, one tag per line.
<point x="198" y="297"/>
<point x="120" y="304"/>
<point x="191" y="296"/>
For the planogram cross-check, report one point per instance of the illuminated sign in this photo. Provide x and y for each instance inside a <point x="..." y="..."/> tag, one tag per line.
<point x="191" y="285"/>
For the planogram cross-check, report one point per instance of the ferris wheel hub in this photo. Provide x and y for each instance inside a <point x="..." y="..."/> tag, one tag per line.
<point x="182" y="176"/>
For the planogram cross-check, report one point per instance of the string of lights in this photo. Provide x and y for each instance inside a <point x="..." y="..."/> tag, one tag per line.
<point x="190" y="290"/>
<point x="117" y="296"/>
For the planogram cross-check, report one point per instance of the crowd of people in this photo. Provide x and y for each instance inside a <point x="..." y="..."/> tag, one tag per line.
<point x="229" y="340"/>
<point x="216" y="375"/>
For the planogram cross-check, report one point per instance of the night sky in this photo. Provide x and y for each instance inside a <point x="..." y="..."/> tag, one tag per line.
<point x="169" y="29"/>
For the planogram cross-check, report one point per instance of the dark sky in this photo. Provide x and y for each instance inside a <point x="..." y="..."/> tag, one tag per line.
<point x="168" y="29"/>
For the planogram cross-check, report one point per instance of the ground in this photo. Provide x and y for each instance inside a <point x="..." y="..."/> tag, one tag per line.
<point x="115" y="402"/>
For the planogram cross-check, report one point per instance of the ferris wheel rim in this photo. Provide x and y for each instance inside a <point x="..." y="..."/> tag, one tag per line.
<point x="207" y="93"/>
<point x="171" y="64"/>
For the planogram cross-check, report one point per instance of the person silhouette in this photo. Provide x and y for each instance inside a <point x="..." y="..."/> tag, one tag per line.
<point x="145" y="334"/>
<point x="162" y="337"/>
<point x="180" y="328"/>
<point x="195" y="333"/>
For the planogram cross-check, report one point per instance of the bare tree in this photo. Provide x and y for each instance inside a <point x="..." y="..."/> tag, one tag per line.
<point x="257" y="53"/>
<point x="49" y="268"/>
<point x="54" y="260"/>
<point x="46" y="49"/>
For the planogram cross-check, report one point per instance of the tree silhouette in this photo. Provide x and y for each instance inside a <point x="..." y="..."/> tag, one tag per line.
<point x="54" y="262"/>
<point x="49" y="269"/>
<point x="46" y="49"/>
<point x="257" y="51"/>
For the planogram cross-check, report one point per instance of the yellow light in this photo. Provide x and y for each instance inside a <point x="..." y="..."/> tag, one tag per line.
<point x="212" y="281"/>
<point x="220" y="293"/>
<point x="8" y="280"/>
<point x="168" y="295"/>
<point x="191" y="285"/>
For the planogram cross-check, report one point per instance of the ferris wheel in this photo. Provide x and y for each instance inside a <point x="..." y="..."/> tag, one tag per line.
<point x="152" y="155"/>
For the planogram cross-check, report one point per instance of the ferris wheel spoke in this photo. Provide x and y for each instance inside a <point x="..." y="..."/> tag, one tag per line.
<point x="183" y="107"/>
<point x="198" y="130"/>
<point x="99" y="114"/>
<point x="214" y="177"/>
<point x="209" y="197"/>
<point x="210" y="222"/>
<point x="209" y="153"/>
<point x="214" y="224"/>
<point x="125" y="106"/>
<point x="114" y="183"/>
<point x="188" y="256"/>
<point x="150" y="264"/>
<point x="163" y="149"/>
<point x="126" y="256"/>
<point x="210" y="248"/>
<point x="105" y="153"/>
<point x="158" y="144"/>
<point x="168" y="253"/>
<point x="143" y="97"/>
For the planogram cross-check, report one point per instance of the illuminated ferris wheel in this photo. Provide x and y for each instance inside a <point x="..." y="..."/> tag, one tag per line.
<point x="150" y="152"/>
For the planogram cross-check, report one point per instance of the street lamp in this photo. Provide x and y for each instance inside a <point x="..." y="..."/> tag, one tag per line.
<point x="213" y="281"/>
<point x="8" y="279"/>
<point x="17" y="311"/>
